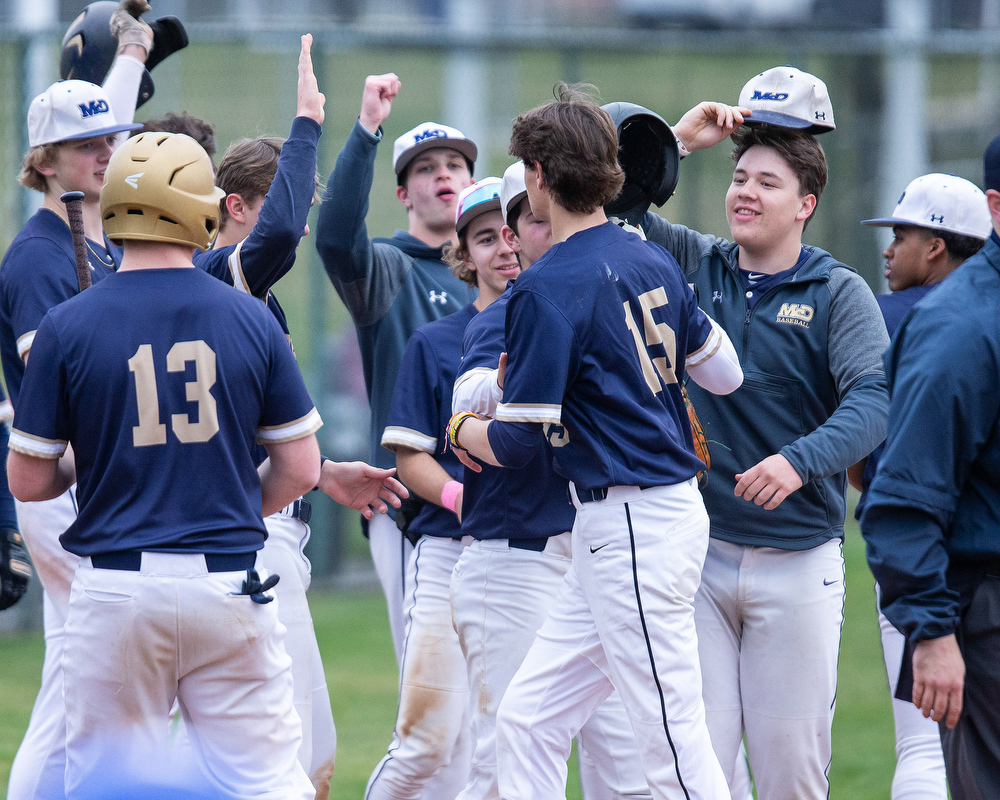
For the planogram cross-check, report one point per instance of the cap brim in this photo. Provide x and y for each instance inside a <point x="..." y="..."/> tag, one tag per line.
<point x="888" y="222"/>
<point x="775" y="118"/>
<point x="131" y="126"/>
<point x="464" y="146"/>
<point x="517" y="198"/>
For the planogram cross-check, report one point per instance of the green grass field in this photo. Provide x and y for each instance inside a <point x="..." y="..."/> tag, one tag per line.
<point x="354" y="638"/>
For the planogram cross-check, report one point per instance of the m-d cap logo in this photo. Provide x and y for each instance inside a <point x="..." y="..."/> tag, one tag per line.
<point x="775" y="96"/>
<point x="93" y="108"/>
<point x="432" y="134"/>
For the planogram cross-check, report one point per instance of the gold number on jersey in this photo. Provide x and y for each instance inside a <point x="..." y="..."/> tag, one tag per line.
<point x="150" y="430"/>
<point x="654" y="333"/>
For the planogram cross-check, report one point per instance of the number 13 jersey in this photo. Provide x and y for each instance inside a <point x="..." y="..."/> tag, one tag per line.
<point x="163" y="380"/>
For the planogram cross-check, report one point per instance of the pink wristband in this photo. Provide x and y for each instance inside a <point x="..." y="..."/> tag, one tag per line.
<point x="449" y="494"/>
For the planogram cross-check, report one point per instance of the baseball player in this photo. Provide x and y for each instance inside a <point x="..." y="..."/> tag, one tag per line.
<point x="810" y="337"/>
<point x="393" y="286"/>
<point x="939" y="222"/>
<point x="929" y="519"/>
<point x="599" y="333"/>
<point x="72" y="129"/>
<point x="270" y="185"/>
<point x="431" y="737"/>
<point x="506" y="579"/>
<point x="166" y="601"/>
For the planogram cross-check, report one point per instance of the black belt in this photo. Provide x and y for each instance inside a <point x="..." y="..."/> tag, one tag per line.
<point x="301" y="510"/>
<point x="600" y="493"/>
<point x="131" y="561"/>
<point x="534" y="543"/>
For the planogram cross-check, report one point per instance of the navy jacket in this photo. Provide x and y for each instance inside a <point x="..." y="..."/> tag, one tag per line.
<point x="935" y="500"/>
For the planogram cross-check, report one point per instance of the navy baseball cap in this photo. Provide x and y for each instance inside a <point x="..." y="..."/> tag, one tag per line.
<point x="991" y="166"/>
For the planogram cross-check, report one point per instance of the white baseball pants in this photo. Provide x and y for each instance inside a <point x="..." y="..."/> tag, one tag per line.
<point x="431" y="744"/>
<point x="769" y="625"/>
<point x="39" y="767"/>
<point x="391" y="554"/>
<point x="283" y="554"/>
<point x="136" y="641"/>
<point x="623" y="617"/>
<point x="920" y="773"/>
<point x="500" y="597"/>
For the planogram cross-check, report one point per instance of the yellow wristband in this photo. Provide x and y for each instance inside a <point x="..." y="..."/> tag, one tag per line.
<point x="455" y="423"/>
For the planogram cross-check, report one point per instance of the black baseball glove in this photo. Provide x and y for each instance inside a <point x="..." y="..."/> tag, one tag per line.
<point x="15" y="569"/>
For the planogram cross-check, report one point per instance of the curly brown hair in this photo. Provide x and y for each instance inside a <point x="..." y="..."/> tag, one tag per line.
<point x="576" y="143"/>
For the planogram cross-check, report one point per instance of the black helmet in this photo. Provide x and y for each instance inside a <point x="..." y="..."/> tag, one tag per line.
<point x="89" y="48"/>
<point x="647" y="151"/>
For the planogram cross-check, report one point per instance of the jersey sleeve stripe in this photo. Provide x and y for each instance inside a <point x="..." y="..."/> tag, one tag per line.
<point x="394" y="437"/>
<point x="236" y="269"/>
<point x="296" y="429"/>
<point x="36" y="445"/>
<point x="525" y="412"/>
<point x="706" y="351"/>
<point x="24" y="343"/>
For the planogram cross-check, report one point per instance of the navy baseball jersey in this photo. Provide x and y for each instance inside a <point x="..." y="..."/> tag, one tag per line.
<point x="167" y="402"/>
<point x="598" y="332"/>
<point x="503" y="503"/>
<point x="421" y="407"/>
<point x="39" y="272"/>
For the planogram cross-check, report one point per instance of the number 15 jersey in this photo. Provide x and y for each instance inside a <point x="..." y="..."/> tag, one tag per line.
<point x="598" y="332"/>
<point x="162" y="380"/>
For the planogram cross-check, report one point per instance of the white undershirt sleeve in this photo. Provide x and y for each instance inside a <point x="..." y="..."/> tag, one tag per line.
<point x="721" y="372"/>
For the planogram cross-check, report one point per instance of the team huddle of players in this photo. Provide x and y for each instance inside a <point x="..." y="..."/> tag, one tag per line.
<point x="541" y="353"/>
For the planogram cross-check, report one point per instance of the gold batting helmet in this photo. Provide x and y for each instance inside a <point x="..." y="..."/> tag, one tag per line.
<point x="160" y="187"/>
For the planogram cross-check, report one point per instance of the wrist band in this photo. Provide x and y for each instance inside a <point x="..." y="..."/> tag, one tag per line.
<point x="682" y="151"/>
<point x="449" y="495"/>
<point x="455" y="423"/>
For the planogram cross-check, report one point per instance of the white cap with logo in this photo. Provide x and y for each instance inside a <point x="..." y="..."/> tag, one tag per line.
<point x="789" y="98"/>
<point x="425" y="136"/>
<point x="942" y="203"/>
<point x="70" y="110"/>
<point x="513" y="190"/>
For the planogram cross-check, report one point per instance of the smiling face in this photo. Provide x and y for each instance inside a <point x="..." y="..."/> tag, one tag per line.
<point x="489" y="256"/>
<point x="79" y="166"/>
<point x="433" y="180"/>
<point x="763" y="205"/>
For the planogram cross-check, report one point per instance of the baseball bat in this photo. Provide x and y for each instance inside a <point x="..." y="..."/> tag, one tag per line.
<point x="74" y="211"/>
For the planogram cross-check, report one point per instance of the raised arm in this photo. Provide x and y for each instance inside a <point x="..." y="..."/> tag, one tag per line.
<point x="361" y="272"/>
<point x="268" y="252"/>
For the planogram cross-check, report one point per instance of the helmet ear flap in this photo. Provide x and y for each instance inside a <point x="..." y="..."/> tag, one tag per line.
<point x="647" y="152"/>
